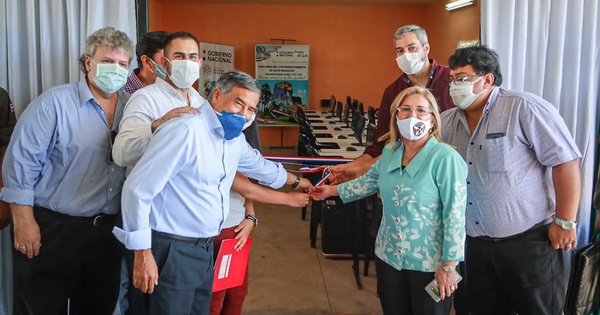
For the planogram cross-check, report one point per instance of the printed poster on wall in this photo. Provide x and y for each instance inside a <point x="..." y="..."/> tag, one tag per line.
<point x="282" y="72"/>
<point x="217" y="59"/>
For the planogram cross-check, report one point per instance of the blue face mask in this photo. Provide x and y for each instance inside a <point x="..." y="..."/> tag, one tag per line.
<point x="232" y="124"/>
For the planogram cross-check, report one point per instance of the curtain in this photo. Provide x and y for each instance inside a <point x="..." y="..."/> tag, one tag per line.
<point x="40" y="43"/>
<point x="551" y="48"/>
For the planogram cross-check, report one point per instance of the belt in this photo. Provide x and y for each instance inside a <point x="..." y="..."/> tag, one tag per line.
<point x="195" y="240"/>
<point x="499" y="239"/>
<point x="96" y="220"/>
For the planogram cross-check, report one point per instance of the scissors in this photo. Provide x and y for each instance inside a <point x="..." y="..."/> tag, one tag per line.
<point x="326" y="174"/>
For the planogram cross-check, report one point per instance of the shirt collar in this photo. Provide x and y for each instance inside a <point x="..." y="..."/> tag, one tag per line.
<point x="212" y="121"/>
<point x="170" y="90"/>
<point x="416" y="162"/>
<point x="85" y="94"/>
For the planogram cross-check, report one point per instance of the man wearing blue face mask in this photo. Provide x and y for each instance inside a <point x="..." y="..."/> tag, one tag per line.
<point x="177" y="196"/>
<point x="64" y="190"/>
<point x="149" y="51"/>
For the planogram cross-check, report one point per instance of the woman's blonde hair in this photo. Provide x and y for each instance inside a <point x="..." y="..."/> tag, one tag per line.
<point x="436" y="126"/>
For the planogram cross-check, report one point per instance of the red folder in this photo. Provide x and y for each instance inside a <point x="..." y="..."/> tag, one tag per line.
<point x="230" y="266"/>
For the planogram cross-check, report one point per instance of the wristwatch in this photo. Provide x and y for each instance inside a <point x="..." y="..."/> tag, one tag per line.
<point x="565" y="224"/>
<point x="448" y="268"/>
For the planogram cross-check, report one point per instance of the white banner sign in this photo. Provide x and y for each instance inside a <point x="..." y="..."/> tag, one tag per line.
<point x="218" y="59"/>
<point x="282" y="72"/>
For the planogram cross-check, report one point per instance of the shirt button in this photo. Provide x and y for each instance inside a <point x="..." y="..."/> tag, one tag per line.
<point x="468" y="183"/>
<point x="110" y="189"/>
<point x="470" y="203"/>
<point x="472" y="143"/>
<point x="112" y="169"/>
<point x="476" y="222"/>
<point x="470" y="163"/>
<point x="396" y="203"/>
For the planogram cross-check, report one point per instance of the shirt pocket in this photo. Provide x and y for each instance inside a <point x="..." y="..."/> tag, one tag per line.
<point x="495" y="153"/>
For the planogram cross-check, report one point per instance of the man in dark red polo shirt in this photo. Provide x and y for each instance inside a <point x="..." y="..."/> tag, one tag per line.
<point x="412" y="51"/>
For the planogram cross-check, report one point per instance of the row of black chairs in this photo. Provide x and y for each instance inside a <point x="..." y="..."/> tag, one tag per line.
<point x="315" y="135"/>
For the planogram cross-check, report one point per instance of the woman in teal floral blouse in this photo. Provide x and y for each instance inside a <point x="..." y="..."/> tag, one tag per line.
<point x="422" y="183"/>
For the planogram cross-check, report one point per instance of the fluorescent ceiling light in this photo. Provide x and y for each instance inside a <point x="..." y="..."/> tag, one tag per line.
<point x="458" y="4"/>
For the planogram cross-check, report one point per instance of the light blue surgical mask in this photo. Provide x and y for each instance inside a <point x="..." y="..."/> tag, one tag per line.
<point x="232" y="124"/>
<point x="110" y="77"/>
<point x="159" y="71"/>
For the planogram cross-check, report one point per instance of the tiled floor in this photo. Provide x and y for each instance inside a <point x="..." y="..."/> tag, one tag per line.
<point x="287" y="276"/>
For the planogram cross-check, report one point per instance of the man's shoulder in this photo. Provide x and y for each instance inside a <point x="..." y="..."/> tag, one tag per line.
<point x="449" y="114"/>
<point x="396" y="86"/>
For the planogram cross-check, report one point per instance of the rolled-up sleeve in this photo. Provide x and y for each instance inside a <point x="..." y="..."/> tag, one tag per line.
<point x="27" y="151"/>
<point x="254" y="165"/>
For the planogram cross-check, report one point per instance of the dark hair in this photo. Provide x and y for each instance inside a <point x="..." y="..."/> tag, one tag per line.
<point x="481" y="58"/>
<point x="149" y="44"/>
<point x="180" y="34"/>
<point x="235" y="78"/>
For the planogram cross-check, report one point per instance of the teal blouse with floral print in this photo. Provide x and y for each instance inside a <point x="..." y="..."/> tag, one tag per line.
<point x="423" y="218"/>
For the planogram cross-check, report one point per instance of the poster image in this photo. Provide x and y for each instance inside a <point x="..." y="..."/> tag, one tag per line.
<point x="217" y="59"/>
<point x="282" y="73"/>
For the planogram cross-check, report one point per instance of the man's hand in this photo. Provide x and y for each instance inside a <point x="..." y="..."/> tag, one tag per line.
<point x="242" y="231"/>
<point x="145" y="272"/>
<point x="345" y="172"/>
<point x="305" y="185"/>
<point x="27" y="238"/>
<point x="175" y="112"/>
<point x="297" y="199"/>
<point x="561" y="238"/>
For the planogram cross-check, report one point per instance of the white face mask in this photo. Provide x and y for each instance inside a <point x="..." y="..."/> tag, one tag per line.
<point x="462" y="95"/>
<point x="248" y="123"/>
<point x="413" y="128"/>
<point x="184" y="73"/>
<point x="410" y="63"/>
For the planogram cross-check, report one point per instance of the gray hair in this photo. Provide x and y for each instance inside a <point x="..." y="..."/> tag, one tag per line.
<point x="235" y="78"/>
<point x="412" y="28"/>
<point x="110" y="37"/>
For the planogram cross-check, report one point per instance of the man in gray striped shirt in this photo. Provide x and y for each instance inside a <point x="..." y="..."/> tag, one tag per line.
<point x="523" y="188"/>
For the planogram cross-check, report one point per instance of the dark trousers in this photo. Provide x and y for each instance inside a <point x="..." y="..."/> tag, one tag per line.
<point x="185" y="276"/>
<point x="78" y="266"/>
<point x="229" y="301"/>
<point x="523" y="275"/>
<point x="403" y="292"/>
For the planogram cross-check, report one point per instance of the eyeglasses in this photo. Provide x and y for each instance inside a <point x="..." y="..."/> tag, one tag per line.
<point x="459" y="81"/>
<point x="420" y="111"/>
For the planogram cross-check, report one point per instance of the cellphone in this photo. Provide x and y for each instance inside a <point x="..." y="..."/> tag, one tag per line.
<point x="434" y="291"/>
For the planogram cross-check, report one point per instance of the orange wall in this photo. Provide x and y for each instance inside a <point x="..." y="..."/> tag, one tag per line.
<point x="351" y="46"/>
<point x="445" y="28"/>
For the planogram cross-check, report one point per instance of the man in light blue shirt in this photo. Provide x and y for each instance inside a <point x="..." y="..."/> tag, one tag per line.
<point x="177" y="196"/>
<point x="64" y="190"/>
<point x="523" y="188"/>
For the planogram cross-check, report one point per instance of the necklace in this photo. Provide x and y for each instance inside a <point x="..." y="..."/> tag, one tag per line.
<point x="405" y="159"/>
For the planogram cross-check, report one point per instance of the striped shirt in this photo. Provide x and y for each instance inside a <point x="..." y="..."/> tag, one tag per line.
<point x="510" y="156"/>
